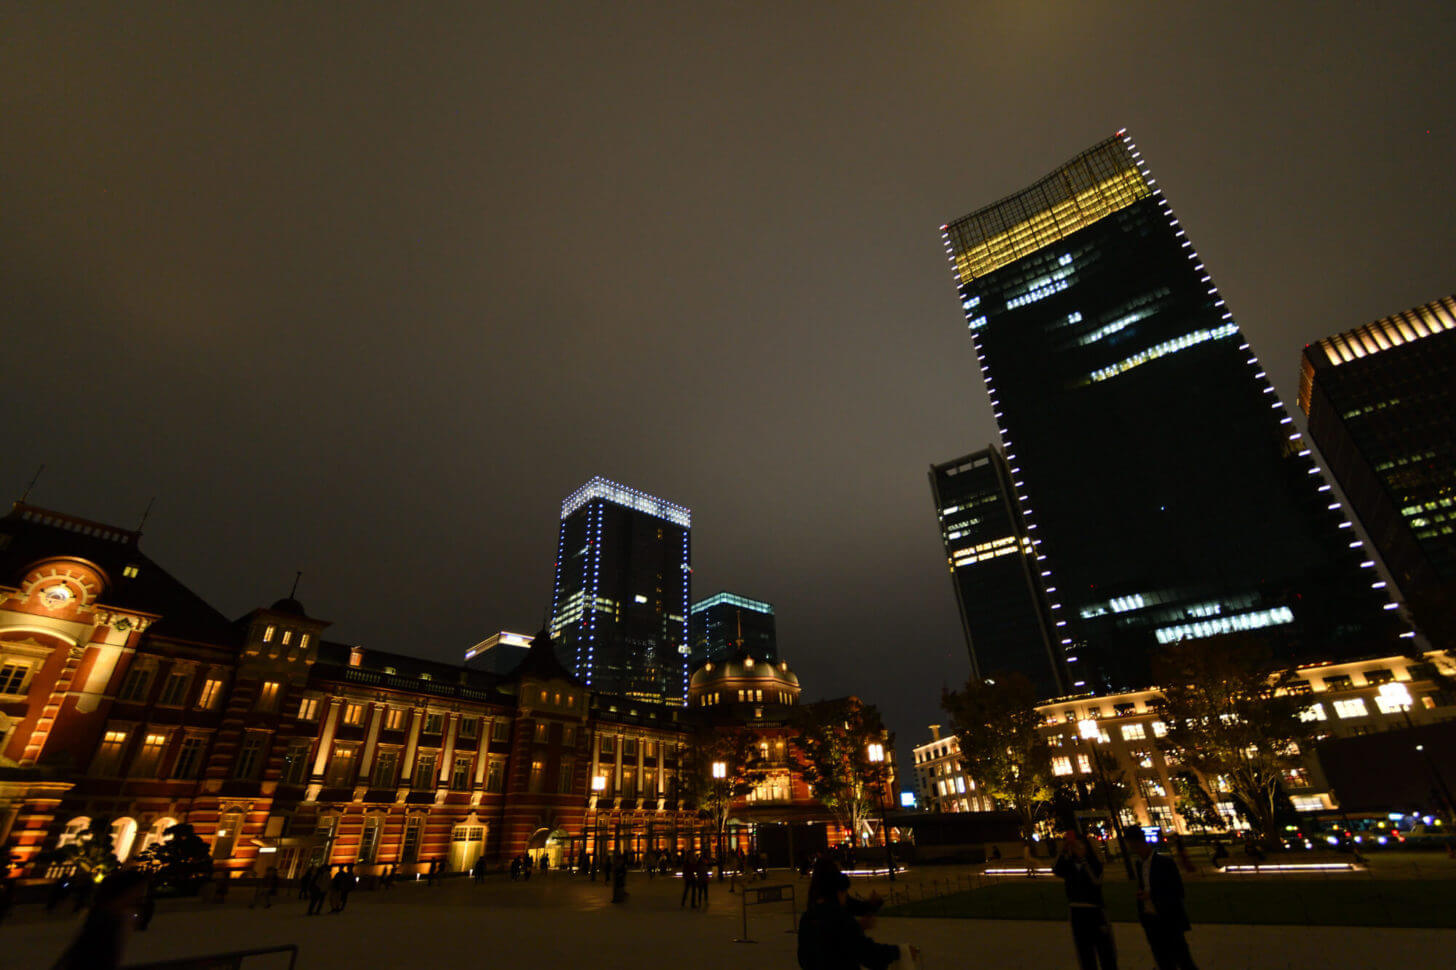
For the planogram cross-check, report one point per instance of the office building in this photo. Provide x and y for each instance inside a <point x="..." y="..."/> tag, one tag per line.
<point x="619" y="610"/>
<point x="1381" y="401"/>
<point x="1167" y="494"/>
<point x="988" y="551"/>
<point x="725" y="622"/>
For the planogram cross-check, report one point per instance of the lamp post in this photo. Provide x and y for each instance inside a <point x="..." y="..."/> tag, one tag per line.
<point x="599" y="785"/>
<point x="720" y="806"/>
<point x="876" y="752"/>
<point x="1396" y="694"/>
<point x="1090" y="731"/>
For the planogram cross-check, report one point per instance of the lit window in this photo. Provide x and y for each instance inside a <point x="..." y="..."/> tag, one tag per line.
<point x="308" y="709"/>
<point x="1314" y="712"/>
<point x="211" y="692"/>
<point x="354" y="714"/>
<point x="268" y="634"/>
<point x="1133" y="732"/>
<point x="129" y="572"/>
<point x="149" y="756"/>
<point x="268" y="693"/>
<point x="302" y="641"/>
<point x="287" y="637"/>
<point x="108" y="755"/>
<point x="1160" y="730"/>
<point x="1061" y="766"/>
<point x="1351" y="707"/>
<point x="394" y="719"/>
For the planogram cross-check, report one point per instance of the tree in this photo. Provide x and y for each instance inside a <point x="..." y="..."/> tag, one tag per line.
<point x="833" y="754"/>
<point x="181" y="860"/>
<point x="92" y="853"/>
<point x="736" y="751"/>
<point x="1194" y="804"/>
<point x="1001" y="742"/>
<point x="1231" y="715"/>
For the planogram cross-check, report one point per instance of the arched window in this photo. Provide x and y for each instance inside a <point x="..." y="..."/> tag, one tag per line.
<point x="228" y="830"/>
<point x="73" y="831"/>
<point x="158" y="832"/>
<point x="123" y="834"/>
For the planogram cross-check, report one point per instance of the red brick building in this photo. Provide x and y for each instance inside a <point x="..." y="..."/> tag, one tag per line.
<point x="124" y="696"/>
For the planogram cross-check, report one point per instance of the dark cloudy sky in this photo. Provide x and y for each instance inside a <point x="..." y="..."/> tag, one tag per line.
<point x="366" y="289"/>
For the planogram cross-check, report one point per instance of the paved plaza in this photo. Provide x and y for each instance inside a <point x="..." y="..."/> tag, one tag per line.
<point x="560" y="920"/>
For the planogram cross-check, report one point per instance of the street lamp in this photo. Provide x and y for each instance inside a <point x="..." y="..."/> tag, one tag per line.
<point x="599" y="785"/>
<point x="1396" y="694"/>
<point x="720" y="806"/>
<point x="1091" y="732"/>
<point x="876" y="752"/>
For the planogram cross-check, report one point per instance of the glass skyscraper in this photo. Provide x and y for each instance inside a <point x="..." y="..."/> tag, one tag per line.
<point x="988" y="550"/>
<point x="1381" y="401"/>
<point x="1167" y="494"/>
<point x="724" y="622"/>
<point x="619" y="609"/>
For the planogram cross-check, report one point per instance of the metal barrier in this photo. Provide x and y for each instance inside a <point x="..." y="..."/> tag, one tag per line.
<point x="761" y="895"/>
<point x="218" y="961"/>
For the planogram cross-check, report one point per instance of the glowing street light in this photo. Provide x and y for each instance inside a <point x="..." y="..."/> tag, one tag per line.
<point x="876" y="753"/>
<point x="599" y="785"/>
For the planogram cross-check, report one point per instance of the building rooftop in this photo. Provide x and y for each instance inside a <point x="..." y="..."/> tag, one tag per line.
<point x="1384" y="334"/>
<point x="628" y="498"/>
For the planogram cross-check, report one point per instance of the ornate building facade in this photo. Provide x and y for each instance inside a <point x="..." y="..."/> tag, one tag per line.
<point x="124" y="696"/>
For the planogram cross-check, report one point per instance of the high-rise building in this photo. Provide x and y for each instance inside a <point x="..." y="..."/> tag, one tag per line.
<point x="1381" y="401"/>
<point x="499" y="653"/>
<point x="725" y="622"/>
<point x="619" y="611"/>
<point x="989" y="551"/>
<point x="1166" y="491"/>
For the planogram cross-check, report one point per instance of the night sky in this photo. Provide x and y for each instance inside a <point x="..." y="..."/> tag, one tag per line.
<point x="367" y="291"/>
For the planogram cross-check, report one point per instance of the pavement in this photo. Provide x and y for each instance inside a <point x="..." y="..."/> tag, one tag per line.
<point x="562" y="920"/>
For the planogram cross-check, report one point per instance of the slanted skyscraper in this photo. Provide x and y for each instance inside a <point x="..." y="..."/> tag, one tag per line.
<point x="1166" y="491"/>
<point x="988" y="549"/>
<point x="1381" y="401"/>
<point x="619" y="610"/>
<point x="724" y="622"/>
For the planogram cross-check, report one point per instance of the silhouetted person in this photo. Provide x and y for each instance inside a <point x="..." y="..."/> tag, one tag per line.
<point x="304" y="881"/>
<point x="1160" y="904"/>
<point x="690" y="881"/>
<point x="318" y="890"/>
<point x="113" y="913"/>
<point x="830" y="934"/>
<point x="267" y="888"/>
<point x="350" y="881"/>
<point x="619" y="880"/>
<point x="1081" y="872"/>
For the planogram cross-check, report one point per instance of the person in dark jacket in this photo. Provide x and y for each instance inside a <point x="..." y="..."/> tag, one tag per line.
<point x="1160" y="904"/>
<point x="830" y="937"/>
<point x="113" y="913"/>
<point x="1081" y="872"/>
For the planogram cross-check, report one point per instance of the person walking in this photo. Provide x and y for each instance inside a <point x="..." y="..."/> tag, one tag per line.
<point x="704" y="878"/>
<point x="318" y="890"/>
<point x="350" y="881"/>
<point x="830" y="934"/>
<point x="690" y="880"/>
<point x="304" y="881"/>
<point x="1160" y="904"/>
<point x="336" y="891"/>
<point x="266" y="889"/>
<point x="1081" y="872"/>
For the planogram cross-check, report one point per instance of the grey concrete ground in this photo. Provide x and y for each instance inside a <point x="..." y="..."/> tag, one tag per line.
<point x="558" y="920"/>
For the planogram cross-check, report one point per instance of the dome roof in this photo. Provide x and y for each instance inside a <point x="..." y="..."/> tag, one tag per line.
<point x="743" y="667"/>
<point x="288" y="605"/>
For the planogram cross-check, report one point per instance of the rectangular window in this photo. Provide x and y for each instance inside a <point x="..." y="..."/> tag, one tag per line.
<point x="469" y="727"/>
<point x="1133" y="732"/>
<point x="434" y="723"/>
<point x="134" y="686"/>
<point x="1061" y="766"/>
<point x="174" y="688"/>
<point x="108" y="755"/>
<point x="394" y="719"/>
<point x="303" y="641"/>
<point x="1351" y="707"/>
<point x="308" y="709"/>
<point x="268" y="694"/>
<point x="189" y="757"/>
<point x="287" y="637"/>
<point x="425" y="769"/>
<point x="354" y="714"/>
<point x="460" y="774"/>
<point x="410" y="849"/>
<point x="1084" y="765"/>
<point x="500" y="729"/>
<point x="629" y="748"/>
<point x="268" y="634"/>
<point x="1381" y="675"/>
<point x="1160" y="730"/>
<point x="250" y="756"/>
<point x="495" y="775"/>
<point x="211" y="693"/>
<point x="341" y="770"/>
<point x="540" y="732"/>
<point x="609" y="744"/>
<point x="1338" y="682"/>
<point x="12" y="677"/>
<point x="295" y="763"/>
<point x="568" y="736"/>
<point x="538" y="775"/>
<point x="386" y="766"/>
<point x="1314" y="712"/>
<point x="369" y="839"/>
<point x="563" y="779"/>
<point x="149" y="756"/>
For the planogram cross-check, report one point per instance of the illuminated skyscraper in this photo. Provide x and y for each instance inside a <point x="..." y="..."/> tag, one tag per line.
<point x="619" y="610"/>
<point x="1167" y="494"/>
<point x="724" y="622"/>
<point x="987" y="547"/>
<point x="1381" y="401"/>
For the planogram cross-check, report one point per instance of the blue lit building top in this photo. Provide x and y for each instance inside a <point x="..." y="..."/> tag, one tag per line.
<point x="630" y="498"/>
<point x="732" y="599"/>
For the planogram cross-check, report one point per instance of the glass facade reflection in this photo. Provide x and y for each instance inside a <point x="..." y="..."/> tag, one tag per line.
<point x="725" y="622"/>
<point x="1165" y="490"/>
<point x="992" y="566"/>
<point x="619" y="609"/>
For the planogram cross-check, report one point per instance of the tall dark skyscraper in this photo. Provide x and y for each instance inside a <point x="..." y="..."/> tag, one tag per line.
<point x="619" y="611"/>
<point x="1166" y="491"/>
<point x="989" y="551"/>
<point x="1381" y="401"/>
<point x="725" y="621"/>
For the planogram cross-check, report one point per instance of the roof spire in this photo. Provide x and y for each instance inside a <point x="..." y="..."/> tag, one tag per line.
<point x="26" y="494"/>
<point x="296" y="577"/>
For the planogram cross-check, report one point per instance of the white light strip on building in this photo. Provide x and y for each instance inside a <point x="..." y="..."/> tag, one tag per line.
<point x="1216" y="626"/>
<point x="732" y="599"/>
<point x="1162" y="350"/>
<point x="601" y="488"/>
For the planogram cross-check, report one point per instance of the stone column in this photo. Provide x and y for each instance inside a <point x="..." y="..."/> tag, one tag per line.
<point x="326" y="738"/>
